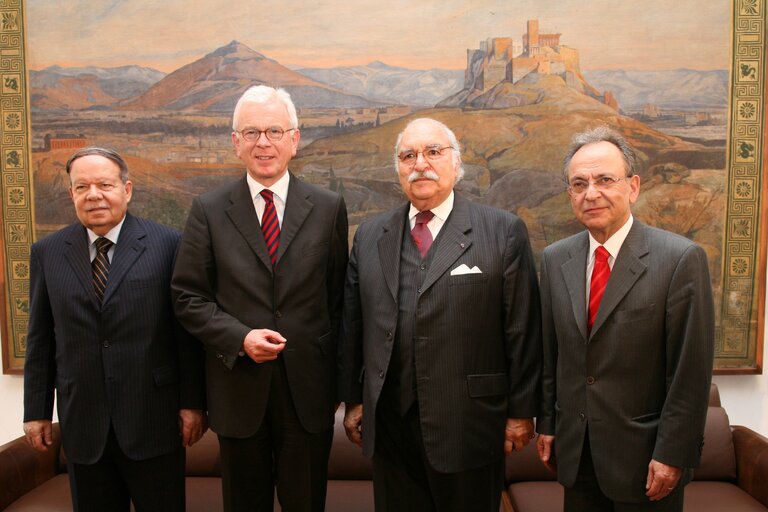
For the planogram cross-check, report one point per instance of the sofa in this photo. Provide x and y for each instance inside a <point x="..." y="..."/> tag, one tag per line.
<point x="733" y="476"/>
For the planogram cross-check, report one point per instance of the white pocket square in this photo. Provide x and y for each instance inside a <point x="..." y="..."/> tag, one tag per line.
<point x="464" y="269"/>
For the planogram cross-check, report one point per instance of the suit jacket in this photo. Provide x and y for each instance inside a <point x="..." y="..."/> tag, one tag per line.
<point x="224" y="287"/>
<point x="640" y="380"/>
<point x="477" y="352"/>
<point x="127" y="361"/>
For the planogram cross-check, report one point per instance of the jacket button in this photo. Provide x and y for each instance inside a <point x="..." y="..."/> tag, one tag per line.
<point x="105" y="343"/>
<point x="278" y="314"/>
<point x="590" y="380"/>
<point x="381" y="375"/>
<point x="582" y="416"/>
<point x="389" y="334"/>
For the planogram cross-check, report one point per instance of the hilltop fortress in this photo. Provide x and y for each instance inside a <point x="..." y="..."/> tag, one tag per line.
<point x="499" y="61"/>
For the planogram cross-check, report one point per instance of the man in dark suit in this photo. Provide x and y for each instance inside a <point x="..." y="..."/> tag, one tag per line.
<point x="441" y="344"/>
<point x="259" y="280"/>
<point x="128" y="379"/>
<point x="628" y="327"/>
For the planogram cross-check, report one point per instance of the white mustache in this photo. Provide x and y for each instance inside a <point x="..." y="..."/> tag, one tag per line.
<point x="428" y="174"/>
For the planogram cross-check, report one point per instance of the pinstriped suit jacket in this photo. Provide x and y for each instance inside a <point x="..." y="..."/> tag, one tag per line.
<point x="127" y="361"/>
<point x="477" y="349"/>
<point x="640" y="380"/>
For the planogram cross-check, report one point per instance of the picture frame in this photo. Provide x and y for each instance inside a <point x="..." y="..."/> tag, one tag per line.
<point x="741" y="308"/>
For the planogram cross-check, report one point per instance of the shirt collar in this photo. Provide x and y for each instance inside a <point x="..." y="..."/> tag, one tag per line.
<point x="441" y="211"/>
<point x="112" y="235"/>
<point x="279" y="188"/>
<point x="614" y="243"/>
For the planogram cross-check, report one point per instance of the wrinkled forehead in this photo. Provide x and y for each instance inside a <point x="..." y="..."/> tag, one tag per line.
<point x="423" y="134"/>
<point x="597" y="159"/>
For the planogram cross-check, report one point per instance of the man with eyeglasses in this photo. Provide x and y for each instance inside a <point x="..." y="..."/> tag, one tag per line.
<point x="628" y="327"/>
<point x="441" y="349"/>
<point x="259" y="280"/>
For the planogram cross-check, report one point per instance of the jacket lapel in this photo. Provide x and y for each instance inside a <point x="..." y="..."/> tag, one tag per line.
<point x="390" y="244"/>
<point x="574" y="275"/>
<point x="453" y="242"/>
<point x="130" y="245"/>
<point x="78" y="257"/>
<point x="243" y="215"/>
<point x="297" y="207"/>
<point x="626" y="271"/>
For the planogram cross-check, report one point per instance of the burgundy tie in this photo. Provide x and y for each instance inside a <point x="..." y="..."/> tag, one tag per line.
<point x="270" y="226"/>
<point x="422" y="237"/>
<point x="600" y="274"/>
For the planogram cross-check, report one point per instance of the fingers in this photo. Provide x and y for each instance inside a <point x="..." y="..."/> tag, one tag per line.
<point x="661" y="480"/>
<point x="545" y="446"/>
<point x="39" y="434"/>
<point x="353" y="423"/>
<point x="192" y="426"/>
<point x="263" y="345"/>
<point x="517" y="434"/>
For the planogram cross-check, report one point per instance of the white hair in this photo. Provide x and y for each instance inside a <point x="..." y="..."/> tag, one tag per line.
<point x="452" y="141"/>
<point x="265" y="94"/>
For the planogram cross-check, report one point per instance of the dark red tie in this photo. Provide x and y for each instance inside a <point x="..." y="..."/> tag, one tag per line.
<point x="600" y="274"/>
<point x="100" y="266"/>
<point x="421" y="234"/>
<point x="270" y="226"/>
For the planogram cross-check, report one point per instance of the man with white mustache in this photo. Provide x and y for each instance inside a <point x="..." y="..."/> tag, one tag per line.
<point x="439" y="361"/>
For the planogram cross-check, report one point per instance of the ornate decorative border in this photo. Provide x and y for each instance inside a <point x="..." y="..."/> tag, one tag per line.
<point x="740" y="331"/>
<point x="16" y="184"/>
<point x="739" y="341"/>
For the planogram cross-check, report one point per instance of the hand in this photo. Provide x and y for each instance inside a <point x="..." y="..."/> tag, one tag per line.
<point x="192" y="426"/>
<point x="517" y="434"/>
<point x="545" y="445"/>
<point x="39" y="434"/>
<point x="662" y="480"/>
<point x="353" y="422"/>
<point x="263" y="345"/>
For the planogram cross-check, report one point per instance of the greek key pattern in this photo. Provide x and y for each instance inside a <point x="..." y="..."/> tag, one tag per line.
<point x="15" y="185"/>
<point x="737" y="332"/>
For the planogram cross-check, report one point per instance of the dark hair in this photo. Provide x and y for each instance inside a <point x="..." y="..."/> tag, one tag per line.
<point x="106" y="153"/>
<point x="602" y="134"/>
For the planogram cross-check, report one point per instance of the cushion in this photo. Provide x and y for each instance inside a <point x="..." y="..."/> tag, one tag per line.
<point x="718" y="458"/>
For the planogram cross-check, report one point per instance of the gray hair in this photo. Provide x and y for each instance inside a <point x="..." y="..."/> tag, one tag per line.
<point x="452" y="141"/>
<point x="106" y="153"/>
<point x="602" y="134"/>
<point x="264" y="94"/>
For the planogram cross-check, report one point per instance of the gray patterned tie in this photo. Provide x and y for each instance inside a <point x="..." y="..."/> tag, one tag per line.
<point x="100" y="266"/>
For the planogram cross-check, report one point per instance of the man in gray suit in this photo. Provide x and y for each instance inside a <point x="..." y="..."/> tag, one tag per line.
<point x="628" y="327"/>
<point x="441" y="346"/>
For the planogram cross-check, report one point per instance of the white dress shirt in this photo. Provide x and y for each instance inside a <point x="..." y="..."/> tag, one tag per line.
<point x="279" y="195"/>
<point x="612" y="245"/>
<point x="441" y="211"/>
<point x="112" y="235"/>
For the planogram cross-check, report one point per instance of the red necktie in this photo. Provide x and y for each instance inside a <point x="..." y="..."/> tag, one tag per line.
<point x="270" y="226"/>
<point x="422" y="237"/>
<point x="600" y="274"/>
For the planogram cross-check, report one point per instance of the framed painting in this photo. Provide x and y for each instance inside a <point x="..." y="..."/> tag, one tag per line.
<point x="157" y="81"/>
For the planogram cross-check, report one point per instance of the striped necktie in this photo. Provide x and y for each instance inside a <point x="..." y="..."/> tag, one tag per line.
<point x="100" y="266"/>
<point x="270" y="226"/>
<point x="600" y="274"/>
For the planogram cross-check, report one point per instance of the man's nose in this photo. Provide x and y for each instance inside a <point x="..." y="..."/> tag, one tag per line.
<point x="93" y="192"/>
<point x="262" y="140"/>
<point x="591" y="192"/>
<point x="421" y="161"/>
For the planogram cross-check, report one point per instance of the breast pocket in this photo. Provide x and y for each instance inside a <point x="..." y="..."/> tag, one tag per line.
<point x="467" y="279"/>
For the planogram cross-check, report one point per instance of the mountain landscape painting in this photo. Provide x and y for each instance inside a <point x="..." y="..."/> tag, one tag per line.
<point x="515" y="80"/>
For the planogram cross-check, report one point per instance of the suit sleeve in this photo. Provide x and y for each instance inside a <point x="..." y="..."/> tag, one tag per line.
<point x="337" y="266"/>
<point x="40" y="362"/>
<point x="522" y="324"/>
<point x="350" y="354"/>
<point x="545" y="421"/>
<point x="690" y="345"/>
<point x="193" y="290"/>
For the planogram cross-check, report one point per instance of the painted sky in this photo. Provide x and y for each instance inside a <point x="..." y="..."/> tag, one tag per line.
<point x="166" y="34"/>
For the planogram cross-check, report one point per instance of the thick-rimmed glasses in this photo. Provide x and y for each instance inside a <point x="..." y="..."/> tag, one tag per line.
<point x="578" y="186"/>
<point x="409" y="156"/>
<point x="273" y="133"/>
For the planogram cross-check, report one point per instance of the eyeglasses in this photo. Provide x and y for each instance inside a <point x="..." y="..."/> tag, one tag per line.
<point x="410" y="156"/>
<point x="578" y="186"/>
<point x="273" y="133"/>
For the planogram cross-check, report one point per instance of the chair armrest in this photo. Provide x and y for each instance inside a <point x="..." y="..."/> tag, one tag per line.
<point x="22" y="468"/>
<point x="751" y="462"/>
